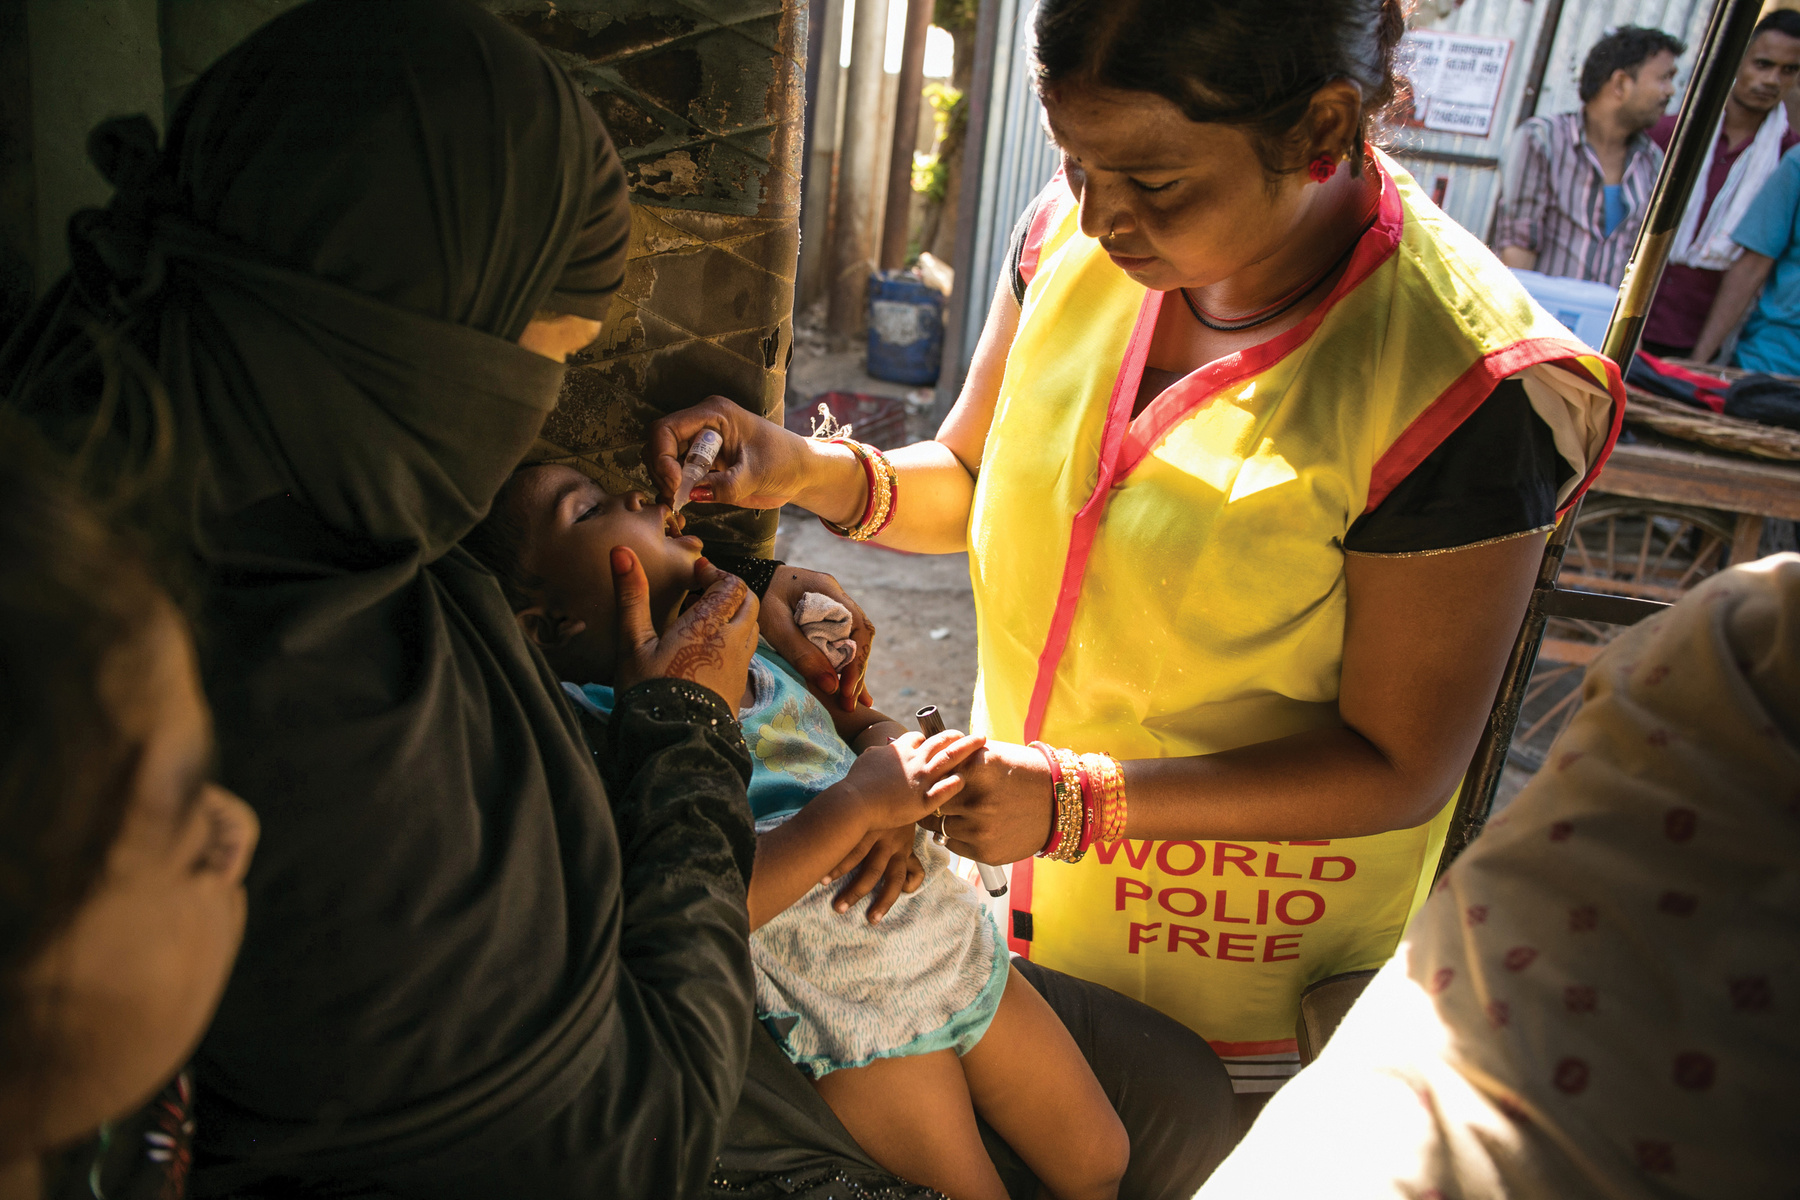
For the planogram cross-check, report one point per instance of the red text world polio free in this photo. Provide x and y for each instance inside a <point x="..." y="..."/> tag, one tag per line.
<point x="1279" y="906"/>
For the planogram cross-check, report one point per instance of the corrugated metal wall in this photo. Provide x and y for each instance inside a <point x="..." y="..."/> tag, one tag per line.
<point x="1018" y="159"/>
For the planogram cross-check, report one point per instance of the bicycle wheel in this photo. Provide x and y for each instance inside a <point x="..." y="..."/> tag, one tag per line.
<point x="1628" y="547"/>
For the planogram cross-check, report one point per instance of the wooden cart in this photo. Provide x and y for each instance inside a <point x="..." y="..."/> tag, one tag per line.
<point x="1664" y="515"/>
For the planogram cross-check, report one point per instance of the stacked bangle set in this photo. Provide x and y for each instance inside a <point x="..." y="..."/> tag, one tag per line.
<point x="884" y="493"/>
<point x="1089" y="794"/>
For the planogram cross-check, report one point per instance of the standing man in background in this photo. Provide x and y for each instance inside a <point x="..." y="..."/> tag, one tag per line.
<point x="1766" y="274"/>
<point x="1577" y="184"/>
<point x="1751" y="138"/>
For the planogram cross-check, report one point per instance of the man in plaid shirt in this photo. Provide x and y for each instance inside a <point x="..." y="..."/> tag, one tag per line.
<point x="1576" y="184"/>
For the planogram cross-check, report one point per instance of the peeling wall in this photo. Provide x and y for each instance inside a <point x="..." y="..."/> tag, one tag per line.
<point x="18" y="184"/>
<point x="90" y="60"/>
<point x="704" y="100"/>
<point x="705" y="103"/>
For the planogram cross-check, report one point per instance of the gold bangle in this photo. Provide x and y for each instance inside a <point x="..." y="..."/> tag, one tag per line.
<point x="1114" y="828"/>
<point x="1069" y="811"/>
<point x="882" y="481"/>
<point x="1109" y="796"/>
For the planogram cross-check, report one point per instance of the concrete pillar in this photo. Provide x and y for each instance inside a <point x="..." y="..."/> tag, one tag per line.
<point x="90" y="60"/>
<point x="706" y="105"/>
<point x="897" y="217"/>
<point x="197" y="33"/>
<point x="820" y="181"/>
<point x="18" y="186"/>
<point x="861" y="158"/>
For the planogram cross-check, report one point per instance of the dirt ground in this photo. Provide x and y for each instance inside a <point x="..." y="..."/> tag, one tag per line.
<point x="909" y="597"/>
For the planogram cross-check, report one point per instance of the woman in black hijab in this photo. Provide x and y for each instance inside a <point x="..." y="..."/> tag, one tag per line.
<point x="289" y="347"/>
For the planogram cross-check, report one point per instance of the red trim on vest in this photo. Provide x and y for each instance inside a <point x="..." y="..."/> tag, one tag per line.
<point x="1087" y="521"/>
<point x="1237" y="1049"/>
<point x="1125" y="441"/>
<point x="1018" y="899"/>
<point x="1615" y="385"/>
<point x="1460" y="400"/>
<point x="1049" y="209"/>
<point x="1182" y="398"/>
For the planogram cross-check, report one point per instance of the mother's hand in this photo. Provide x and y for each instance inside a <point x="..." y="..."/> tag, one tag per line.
<point x="1003" y="813"/>
<point x="760" y="464"/>
<point x="778" y="625"/>
<point x="710" y="644"/>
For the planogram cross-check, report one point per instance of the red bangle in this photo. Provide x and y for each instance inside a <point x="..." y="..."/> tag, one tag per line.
<point x="1051" y="846"/>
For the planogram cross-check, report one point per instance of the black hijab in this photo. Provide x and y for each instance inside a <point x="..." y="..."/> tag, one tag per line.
<point x="294" y="331"/>
<point x="356" y="212"/>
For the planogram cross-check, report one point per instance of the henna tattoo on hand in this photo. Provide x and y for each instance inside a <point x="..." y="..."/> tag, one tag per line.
<point x="701" y="644"/>
<point x="689" y="661"/>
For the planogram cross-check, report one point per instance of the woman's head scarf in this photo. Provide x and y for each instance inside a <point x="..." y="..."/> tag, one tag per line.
<point x="355" y="205"/>
<point x="292" y="333"/>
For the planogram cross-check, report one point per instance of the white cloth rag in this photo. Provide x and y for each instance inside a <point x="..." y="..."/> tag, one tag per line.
<point x="1708" y="245"/>
<point x="826" y="624"/>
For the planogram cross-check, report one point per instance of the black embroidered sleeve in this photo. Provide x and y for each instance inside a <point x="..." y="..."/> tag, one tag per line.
<point x="757" y="573"/>
<point x="676" y="768"/>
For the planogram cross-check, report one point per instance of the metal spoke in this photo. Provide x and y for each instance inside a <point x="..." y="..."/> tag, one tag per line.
<point x="1580" y="547"/>
<point x="1644" y="550"/>
<point x="1636" y="549"/>
<point x="1674" y="543"/>
<point x="1709" y="549"/>
<point x="1565" y="702"/>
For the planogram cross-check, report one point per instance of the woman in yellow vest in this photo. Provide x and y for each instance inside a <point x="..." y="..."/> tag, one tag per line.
<point x="1253" y="470"/>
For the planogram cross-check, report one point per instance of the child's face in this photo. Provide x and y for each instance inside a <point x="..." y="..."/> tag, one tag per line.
<point x="573" y="525"/>
<point x="129" y="986"/>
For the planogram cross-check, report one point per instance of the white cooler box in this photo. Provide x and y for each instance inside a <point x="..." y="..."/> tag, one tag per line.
<point x="1584" y="307"/>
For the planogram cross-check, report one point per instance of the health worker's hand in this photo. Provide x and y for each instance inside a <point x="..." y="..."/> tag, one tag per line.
<point x="884" y="863"/>
<point x="710" y="644"/>
<point x="1004" y="809"/>
<point x="911" y="776"/>
<point x="777" y="621"/>
<point x="760" y="464"/>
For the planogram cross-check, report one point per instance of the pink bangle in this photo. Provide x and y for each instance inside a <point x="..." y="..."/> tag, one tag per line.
<point x="1056" y="778"/>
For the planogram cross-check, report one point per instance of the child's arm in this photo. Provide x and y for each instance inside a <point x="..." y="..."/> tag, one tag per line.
<point x="878" y="732"/>
<point x="894" y="785"/>
<point x="861" y="729"/>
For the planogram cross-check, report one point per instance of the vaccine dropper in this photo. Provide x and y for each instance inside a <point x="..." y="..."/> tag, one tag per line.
<point x="698" y="462"/>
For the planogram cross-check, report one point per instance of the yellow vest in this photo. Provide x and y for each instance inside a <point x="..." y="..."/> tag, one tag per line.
<point x="1174" y="585"/>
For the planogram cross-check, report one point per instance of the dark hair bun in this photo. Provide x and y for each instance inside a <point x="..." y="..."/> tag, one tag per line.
<point x="1254" y="63"/>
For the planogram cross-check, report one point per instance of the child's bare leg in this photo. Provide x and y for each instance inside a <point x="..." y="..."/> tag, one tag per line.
<point x="1030" y="1082"/>
<point x="913" y="1116"/>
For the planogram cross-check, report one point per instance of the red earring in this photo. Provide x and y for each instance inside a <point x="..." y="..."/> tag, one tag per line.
<point x="1322" y="168"/>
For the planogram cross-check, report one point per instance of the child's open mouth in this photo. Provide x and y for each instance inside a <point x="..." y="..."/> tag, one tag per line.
<point x="673" y="522"/>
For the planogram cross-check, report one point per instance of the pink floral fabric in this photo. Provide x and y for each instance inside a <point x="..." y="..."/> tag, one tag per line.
<point x="1603" y="996"/>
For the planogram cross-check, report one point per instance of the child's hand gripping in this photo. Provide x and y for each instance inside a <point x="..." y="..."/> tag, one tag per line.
<point x="906" y="780"/>
<point x="884" y="864"/>
<point x="888" y="787"/>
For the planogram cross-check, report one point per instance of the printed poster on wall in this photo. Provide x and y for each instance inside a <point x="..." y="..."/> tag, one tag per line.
<point x="1455" y="80"/>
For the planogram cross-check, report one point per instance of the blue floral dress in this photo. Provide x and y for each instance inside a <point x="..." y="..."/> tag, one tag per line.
<point x="834" y="990"/>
